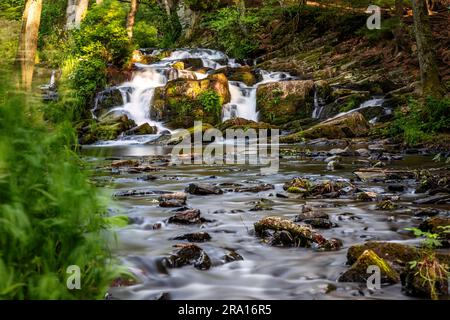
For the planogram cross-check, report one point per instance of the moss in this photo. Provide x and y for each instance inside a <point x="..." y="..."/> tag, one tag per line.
<point x="394" y="252"/>
<point x="358" y="271"/>
<point x="296" y="190"/>
<point x="118" y="221"/>
<point x="179" y="65"/>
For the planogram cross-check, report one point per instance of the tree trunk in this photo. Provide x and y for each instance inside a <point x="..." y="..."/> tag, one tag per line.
<point x="28" y="41"/>
<point x="131" y="17"/>
<point x="429" y="73"/>
<point x="76" y="10"/>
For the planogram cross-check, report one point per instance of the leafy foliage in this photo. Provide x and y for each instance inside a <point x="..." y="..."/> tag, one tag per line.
<point x="51" y="216"/>
<point x="417" y="123"/>
<point x="233" y="29"/>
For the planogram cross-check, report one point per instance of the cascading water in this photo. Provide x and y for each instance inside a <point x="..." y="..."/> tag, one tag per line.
<point x="137" y="94"/>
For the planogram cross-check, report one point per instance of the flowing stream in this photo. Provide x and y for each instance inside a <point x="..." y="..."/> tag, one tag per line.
<point x="266" y="272"/>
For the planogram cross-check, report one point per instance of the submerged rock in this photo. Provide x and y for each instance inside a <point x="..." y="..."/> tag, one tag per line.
<point x="231" y="256"/>
<point x="255" y="188"/>
<point x="358" y="272"/>
<point x="190" y="216"/>
<point x="194" y="237"/>
<point x="189" y="254"/>
<point x="177" y="199"/>
<point x="203" y="189"/>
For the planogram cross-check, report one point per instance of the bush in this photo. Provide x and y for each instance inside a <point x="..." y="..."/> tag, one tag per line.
<point x="234" y="31"/>
<point x="210" y="101"/>
<point x="101" y="40"/>
<point x="145" y="35"/>
<point x="51" y="216"/>
<point x="421" y="121"/>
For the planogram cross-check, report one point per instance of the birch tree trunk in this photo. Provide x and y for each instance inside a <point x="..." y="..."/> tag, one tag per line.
<point x="429" y="73"/>
<point x="131" y="17"/>
<point x="28" y="41"/>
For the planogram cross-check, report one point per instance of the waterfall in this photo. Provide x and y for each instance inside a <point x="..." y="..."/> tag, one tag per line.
<point x="138" y="94"/>
<point x="318" y="105"/>
<point x="243" y="102"/>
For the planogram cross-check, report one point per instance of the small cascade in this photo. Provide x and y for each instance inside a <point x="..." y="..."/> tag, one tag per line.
<point x="318" y="106"/>
<point x="242" y="104"/>
<point x="137" y="94"/>
<point x="371" y="103"/>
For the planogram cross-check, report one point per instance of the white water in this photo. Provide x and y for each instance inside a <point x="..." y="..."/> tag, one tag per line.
<point x="138" y="93"/>
<point x="374" y="102"/>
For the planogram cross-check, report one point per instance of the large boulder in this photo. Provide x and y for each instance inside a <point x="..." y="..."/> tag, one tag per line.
<point x="108" y="129"/>
<point x="281" y="102"/>
<point x="188" y="100"/>
<point x="351" y="125"/>
<point x="243" y="74"/>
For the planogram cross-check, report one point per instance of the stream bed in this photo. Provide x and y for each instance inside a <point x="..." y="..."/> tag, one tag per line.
<point x="266" y="272"/>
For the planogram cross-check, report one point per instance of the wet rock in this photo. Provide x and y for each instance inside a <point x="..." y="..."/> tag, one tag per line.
<point x="436" y="199"/>
<point x="426" y="212"/>
<point x="348" y="216"/>
<point x="189" y="254"/>
<point x="261" y="205"/>
<point x="320" y="223"/>
<point x="387" y="205"/>
<point x="396" y="187"/>
<point x="194" y="237"/>
<point x="143" y="129"/>
<point x="309" y="213"/>
<point x="314" y="188"/>
<point x="143" y="168"/>
<point x="289" y="233"/>
<point x="366" y="174"/>
<point x="106" y="100"/>
<point x="190" y="216"/>
<point x="124" y="163"/>
<point x="358" y="272"/>
<point x="398" y="254"/>
<point x="282" y="196"/>
<point x="177" y="199"/>
<point x="347" y="126"/>
<point x="334" y="165"/>
<point x="284" y="101"/>
<point x="366" y="196"/>
<point x="232" y="256"/>
<point x="134" y="193"/>
<point x="203" y="189"/>
<point x="243" y="74"/>
<point x="244" y="124"/>
<point x="255" y="188"/>
<point x="148" y="177"/>
<point x="362" y="152"/>
<point x="108" y="129"/>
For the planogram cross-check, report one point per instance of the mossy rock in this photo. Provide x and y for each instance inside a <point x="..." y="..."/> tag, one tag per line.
<point x="183" y="104"/>
<point x="244" y="124"/>
<point x="243" y="74"/>
<point x="358" y="271"/>
<point x="393" y="252"/>
<point x="107" y="130"/>
<point x="281" y="102"/>
<point x="179" y="65"/>
<point x="352" y="125"/>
